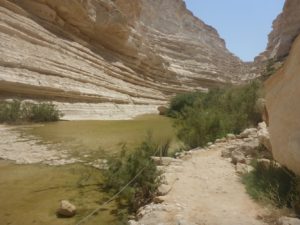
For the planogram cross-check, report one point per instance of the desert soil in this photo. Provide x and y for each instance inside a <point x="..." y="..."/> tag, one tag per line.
<point x="206" y="190"/>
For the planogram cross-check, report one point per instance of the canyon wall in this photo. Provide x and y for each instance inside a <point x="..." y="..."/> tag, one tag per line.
<point x="283" y="94"/>
<point x="286" y="28"/>
<point x="108" y="53"/>
<point x="282" y="88"/>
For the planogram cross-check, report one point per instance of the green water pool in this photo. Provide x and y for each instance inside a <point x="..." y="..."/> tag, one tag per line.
<point x="30" y="194"/>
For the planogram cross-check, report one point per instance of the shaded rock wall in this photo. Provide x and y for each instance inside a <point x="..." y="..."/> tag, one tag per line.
<point x="136" y="52"/>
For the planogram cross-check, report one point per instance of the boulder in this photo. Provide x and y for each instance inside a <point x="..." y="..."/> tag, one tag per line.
<point x="264" y="136"/>
<point x="209" y="144"/>
<point x="158" y="200"/>
<point x="66" y="209"/>
<point x="250" y="132"/>
<point x="264" y="162"/>
<point x="164" y="189"/>
<point x="221" y="140"/>
<point x="230" y="136"/>
<point x="288" y="221"/>
<point x="243" y="168"/>
<point x="162" y="110"/>
<point x="237" y="157"/>
<point x="132" y="222"/>
<point x="249" y="148"/>
<point x="226" y="153"/>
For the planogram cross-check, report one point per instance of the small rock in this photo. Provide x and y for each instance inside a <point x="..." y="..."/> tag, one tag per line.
<point x="237" y="157"/>
<point x="249" y="160"/>
<point x="158" y="200"/>
<point x="162" y="110"/>
<point x="248" y="139"/>
<point x="264" y="136"/>
<point x="164" y="189"/>
<point x="288" y="221"/>
<point x="248" y="133"/>
<point x="230" y="136"/>
<point x="181" y="222"/>
<point x="248" y="148"/>
<point x="132" y="222"/>
<point x="222" y="140"/>
<point x="243" y="168"/>
<point x="165" y="161"/>
<point x="264" y="162"/>
<point x="141" y="213"/>
<point x="66" y="209"/>
<point x="131" y="217"/>
<point x="226" y="153"/>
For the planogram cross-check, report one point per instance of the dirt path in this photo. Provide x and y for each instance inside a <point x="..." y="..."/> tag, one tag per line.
<point x="206" y="191"/>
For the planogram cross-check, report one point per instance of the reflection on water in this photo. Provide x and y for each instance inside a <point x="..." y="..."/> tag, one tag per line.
<point x="81" y="137"/>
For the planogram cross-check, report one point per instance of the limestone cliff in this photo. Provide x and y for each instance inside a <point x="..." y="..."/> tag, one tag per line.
<point x="109" y="53"/>
<point x="283" y="106"/>
<point x="286" y="28"/>
<point x="282" y="88"/>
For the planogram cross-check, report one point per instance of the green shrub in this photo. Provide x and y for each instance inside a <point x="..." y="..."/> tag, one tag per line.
<point x="134" y="165"/>
<point x="44" y="112"/>
<point x="180" y="101"/>
<point x="272" y="184"/>
<point x="15" y="112"/>
<point x="218" y="112"/>
<point x="10" y="111"/>
<point x="269" y="70"/>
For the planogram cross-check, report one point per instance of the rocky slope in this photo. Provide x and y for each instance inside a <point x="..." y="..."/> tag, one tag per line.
<point x="112" y="53"/>
<point x="286" y="28"/>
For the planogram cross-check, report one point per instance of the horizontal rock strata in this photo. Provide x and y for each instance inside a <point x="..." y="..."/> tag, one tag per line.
<point x="286" y="27"/>
<point x="136" y="52"/>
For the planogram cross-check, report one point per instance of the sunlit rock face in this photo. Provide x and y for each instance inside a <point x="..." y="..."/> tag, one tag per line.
<point x="282" y="88"/>
<point x="286" y="28"/>
<point x="283" y="94"/>
<point x="137" y="52"/>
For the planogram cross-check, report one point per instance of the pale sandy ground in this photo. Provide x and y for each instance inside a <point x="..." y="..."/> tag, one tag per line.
<point x="206" y="191"/>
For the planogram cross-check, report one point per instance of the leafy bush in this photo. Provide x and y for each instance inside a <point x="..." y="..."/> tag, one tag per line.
<point x="271" y="67"/>
<point x="272" y="184"/>
<point x="10" y="111"/>
<point x="15" y="112"/>
<point x="44" y="112"/>
<point x="269" y="70"/>
<point x="134" y="165"/>
<point x="218" y="112"/>
<point x="180" y="101"/>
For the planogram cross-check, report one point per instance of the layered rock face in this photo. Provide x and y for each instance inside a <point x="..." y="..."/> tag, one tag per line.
<point x="109" y="53"/>
<point x="283" y="106"/>
<point x="286" y="28"/>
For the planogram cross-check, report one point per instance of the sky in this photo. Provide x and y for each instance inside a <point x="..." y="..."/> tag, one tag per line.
<point x="244" y="24"/>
